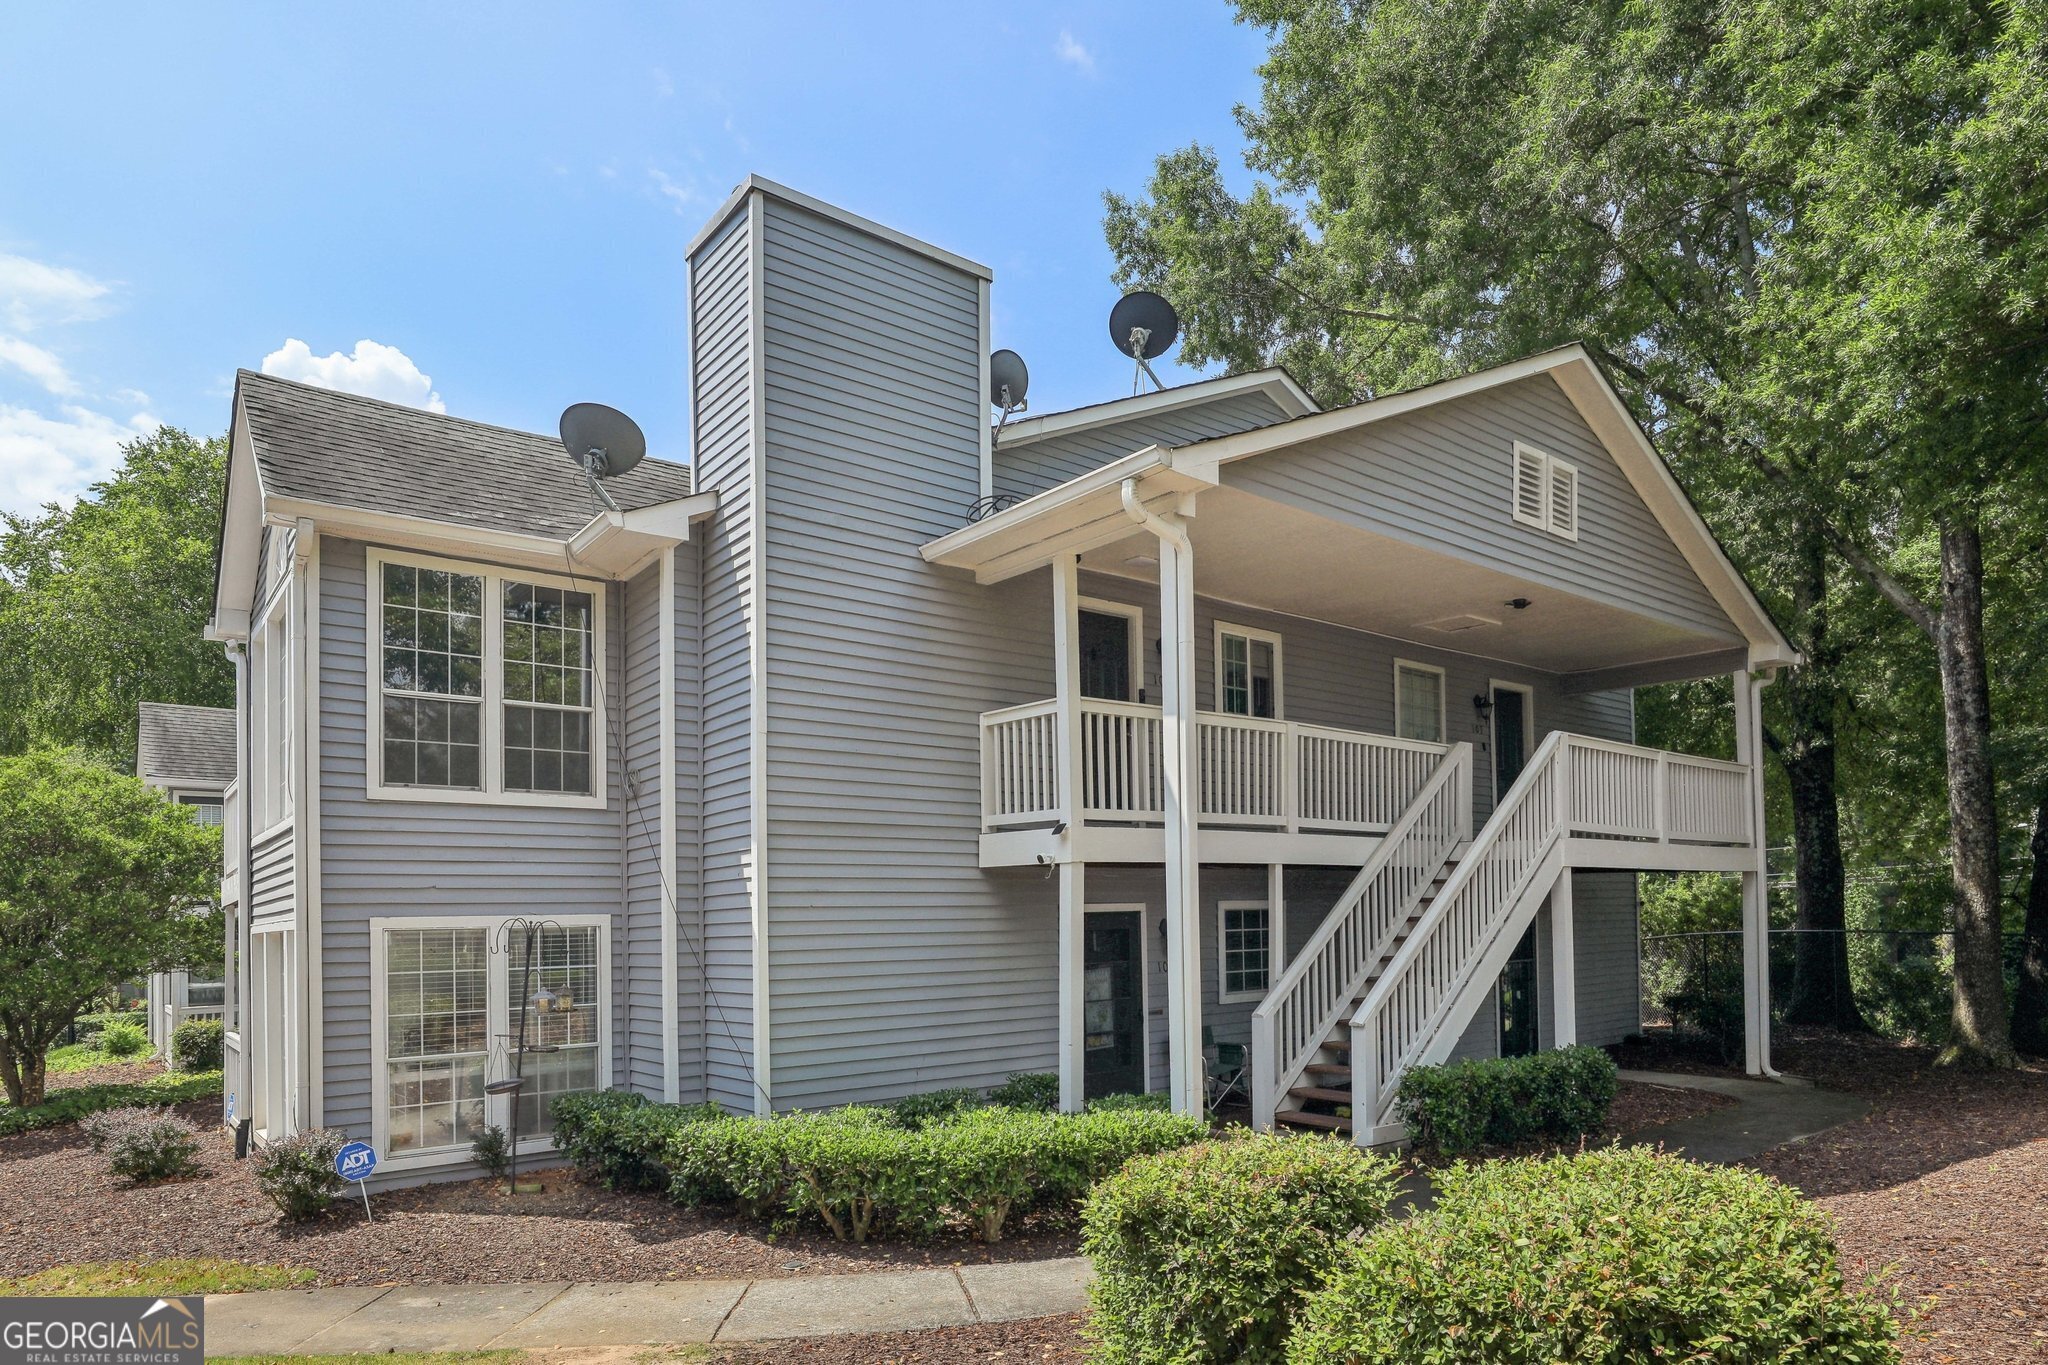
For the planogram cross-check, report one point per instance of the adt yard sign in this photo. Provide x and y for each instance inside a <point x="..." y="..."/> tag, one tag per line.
<point x="354" y="1162"/>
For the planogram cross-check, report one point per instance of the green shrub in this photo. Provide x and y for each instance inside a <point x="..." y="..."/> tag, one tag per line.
<point x="196" y="1045"/>
<point x="145" y="1145"/>
<point x="297" y="1173"/>
<point x="78" y="1102"/>
<point x="1086" y="1148"/>
<point x="492" y="1150"/>
<point x="1500" y="1101"/>
<point x="123" y="1038"/>
<point x="729" y="1159"/>
<point x="1028" y="1090"/>
<point x="587" y="1129"/>
<point x="915" y="1111"/>
<point x="1154" y="1100"/>
<point x="1205" y="1253"/>
<point x="991" y="1163"/>
<point x="860" y="1171"/>
<point x="1616" y="1255"/>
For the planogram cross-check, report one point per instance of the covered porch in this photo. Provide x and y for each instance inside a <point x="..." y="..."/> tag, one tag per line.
<point x="1154" y="776"/>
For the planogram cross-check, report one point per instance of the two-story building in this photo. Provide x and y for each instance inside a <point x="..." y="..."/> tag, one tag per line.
<point x="836" y="774"/>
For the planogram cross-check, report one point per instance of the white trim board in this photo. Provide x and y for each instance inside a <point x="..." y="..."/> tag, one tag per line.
<point x="1275" y="383"/>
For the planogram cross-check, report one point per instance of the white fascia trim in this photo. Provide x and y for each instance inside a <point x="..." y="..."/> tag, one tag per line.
<point x="671" y="521"/>
<point x="761" y="185"/>
<point x="422" y="533"/>
<point x="306" y="713"/>
<point x="966" y="547"/>
<point x="241" y="536"/>
<point x="1275" y="383"/>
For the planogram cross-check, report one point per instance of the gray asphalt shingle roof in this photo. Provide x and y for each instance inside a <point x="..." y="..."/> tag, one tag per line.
<point x="342" y="448"/>
<point x="185" y="745"/>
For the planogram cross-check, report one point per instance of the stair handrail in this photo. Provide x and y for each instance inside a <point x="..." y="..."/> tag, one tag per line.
<point x="1545" y="773"/>
<point x="1310" y="989"/>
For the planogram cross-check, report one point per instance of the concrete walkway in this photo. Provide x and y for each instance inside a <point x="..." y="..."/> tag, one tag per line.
<point x="1766" y="1114"/>
<point x="699" y="1312"/>
<point x="471" y="1317"/>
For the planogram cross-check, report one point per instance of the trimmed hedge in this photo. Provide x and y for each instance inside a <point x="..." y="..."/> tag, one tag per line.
<point x="862" y="1171"/>
<point x="1500" y="1101"/>
<point x="1205" y="1254"/>
<point x="69" y="1106"/>
<point x="1028" y="1090"/>
<point x="197" y="1045"/>
<point x="1615" y="1255"/>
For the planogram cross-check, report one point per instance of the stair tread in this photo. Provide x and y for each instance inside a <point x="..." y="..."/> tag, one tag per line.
<point x="1330" y="1070"/>
<point x="1303" y="1118"/>
<point x="1321" y="1092"/>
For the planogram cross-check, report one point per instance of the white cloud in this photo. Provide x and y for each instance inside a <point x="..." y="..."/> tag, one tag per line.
<point x="52" y="459"/>
<point x="372" y="369"/>
<point x="38" y="364"/>
<point x="683" y="194"/>
<point x="32" y="293"/>
<point x="1069" y="50"/>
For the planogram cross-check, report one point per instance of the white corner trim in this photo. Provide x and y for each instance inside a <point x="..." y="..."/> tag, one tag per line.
<point x="307" y="771"/>
<point x="754" y="609"/>
<point x="670" y="901"/>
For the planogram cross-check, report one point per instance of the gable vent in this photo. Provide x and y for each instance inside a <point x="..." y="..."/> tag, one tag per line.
<point x="1546" y="494"/>
<point x="1529" y="470"/>
<point x="1452" y="625"/>
<point x="1564" y="500"/>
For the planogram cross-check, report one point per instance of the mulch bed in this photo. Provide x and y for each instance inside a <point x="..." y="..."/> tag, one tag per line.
<point x="107" y="1073"/>
<point x="1945" y="1180"/>
<point x="58" y="1205"/>
<point x="1032" y="1341"/>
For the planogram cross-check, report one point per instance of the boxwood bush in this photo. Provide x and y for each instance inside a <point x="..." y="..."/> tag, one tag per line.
<point x="297" y="1173"/>
<point x="1615" y="1255"/>
<point x="1205" y="1254"/>
<point x="863" y="1171"/>
<point x="1500" y="1101"/>
<point x="1028" y="1090"/>
<point x="196" y="1045"/>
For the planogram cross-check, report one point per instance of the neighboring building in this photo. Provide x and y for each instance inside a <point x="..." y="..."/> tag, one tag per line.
<point x="1247" y="725"/>
<point x="188" y="753"/>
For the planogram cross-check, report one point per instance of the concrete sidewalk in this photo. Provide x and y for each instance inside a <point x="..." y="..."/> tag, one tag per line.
<point x="470" y="1317"/>
<point x="1766" y="1114"/>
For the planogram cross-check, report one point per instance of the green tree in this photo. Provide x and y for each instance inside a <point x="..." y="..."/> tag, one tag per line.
<point x="102" y="603"/>
<point x="1453" y="186"/>
<point x="101" y="880"/>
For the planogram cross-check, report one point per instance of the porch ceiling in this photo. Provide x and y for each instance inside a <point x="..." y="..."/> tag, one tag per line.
<point x="1267" y="555"/>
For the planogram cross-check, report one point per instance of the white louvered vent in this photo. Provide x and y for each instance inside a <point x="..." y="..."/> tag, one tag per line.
<point x="1564" y="499"/>
<point x="1546" y="493"/>
<point x="1529" y="480"/>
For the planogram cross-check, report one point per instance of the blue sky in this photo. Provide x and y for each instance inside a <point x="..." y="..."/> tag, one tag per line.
<point x="500" y="194"/>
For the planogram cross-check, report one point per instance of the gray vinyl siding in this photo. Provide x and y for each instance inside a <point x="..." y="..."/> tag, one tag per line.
<point x="1031" y="467"/>
<point x="637" y="953"/>
<point x="1608" y="956"/>
<point x="399" y="858"/>
<point x="722" y="375"/>
<point x="896" y="963"/>
<point x="1441" y="478"/>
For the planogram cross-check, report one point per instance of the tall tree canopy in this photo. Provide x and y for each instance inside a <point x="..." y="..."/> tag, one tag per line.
<point x="102" y="602"/>
<point x="101" y="880"/>
<point x="1805" y="235"/>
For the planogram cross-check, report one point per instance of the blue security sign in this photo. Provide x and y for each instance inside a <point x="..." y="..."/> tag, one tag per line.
<point x="355" y="1161"/>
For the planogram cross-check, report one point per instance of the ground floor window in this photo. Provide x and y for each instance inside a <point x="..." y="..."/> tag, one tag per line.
<point x="1247" y="944"/>
<point x="451" y="1000"/>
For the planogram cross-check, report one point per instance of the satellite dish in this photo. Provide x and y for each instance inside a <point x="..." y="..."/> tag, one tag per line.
<point x="603" y="441"/>
<point x="1007" y="380"/>
<point x="1143" y="325"/>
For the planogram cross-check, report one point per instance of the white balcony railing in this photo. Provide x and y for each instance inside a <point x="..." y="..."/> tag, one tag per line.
<point x="1254" y="774"/>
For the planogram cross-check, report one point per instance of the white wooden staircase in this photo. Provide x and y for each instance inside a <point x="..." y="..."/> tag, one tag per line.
<point x="1412" y="947"/>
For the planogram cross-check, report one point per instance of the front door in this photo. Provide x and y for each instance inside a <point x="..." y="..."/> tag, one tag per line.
<point x="1510" y="737"/>
<point x="1106" y="660"/>
<point x="1518" y="999"/>
<point x="1113" y="1001"/>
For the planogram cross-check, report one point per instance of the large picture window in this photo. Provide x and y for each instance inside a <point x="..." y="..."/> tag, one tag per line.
<point x="450" y="1000"/>
<point x="484" y="685"/>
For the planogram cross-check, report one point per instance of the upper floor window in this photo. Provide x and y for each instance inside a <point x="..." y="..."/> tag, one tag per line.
<point x="205" y="809"/>
<point x="484" y="684"/>
<point x="1546" y="492"/>
<point x="270" y="714"/>
<point x="1247" y="672"/>
<point x="1418" y="701"/>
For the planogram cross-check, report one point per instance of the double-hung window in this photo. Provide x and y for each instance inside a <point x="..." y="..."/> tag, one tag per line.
<point x="1246" y="942"/>
<point x="1418" y="701"/>
<point x="1247" y="672"/>
<point x="484" y="684"/>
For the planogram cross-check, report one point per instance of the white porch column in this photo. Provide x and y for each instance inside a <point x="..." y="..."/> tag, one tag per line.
<point x="1066" y="657"/>
<point x="1564" y="970"/>
<point x="1756" y="919"/>
<point x="1183" y="799"/>
<point x="1276" y="918"/>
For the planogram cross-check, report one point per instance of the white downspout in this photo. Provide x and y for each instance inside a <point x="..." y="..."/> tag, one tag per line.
<point x="1181" y="780"/>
